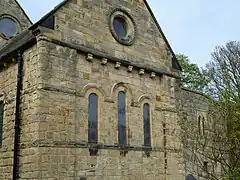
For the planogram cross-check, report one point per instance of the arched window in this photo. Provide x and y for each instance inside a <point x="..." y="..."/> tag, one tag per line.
<point x="203" y="125"/>
<point x="93" y="118"/>
<point x="199" y="124"/>
<point x="1" y="123"/>
<point x="122" y="140"/>
<point x="146" y="124"/>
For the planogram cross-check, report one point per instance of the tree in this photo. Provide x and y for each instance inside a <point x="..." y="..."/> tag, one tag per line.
<point x="223" y="74"/>
<point x="219" y="145"/>
<point x="191" y="75"/>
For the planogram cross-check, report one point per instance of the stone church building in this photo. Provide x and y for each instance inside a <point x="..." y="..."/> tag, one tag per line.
<point x="89" y="92"/>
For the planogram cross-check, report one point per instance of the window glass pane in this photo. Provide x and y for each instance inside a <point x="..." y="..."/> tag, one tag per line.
<point x="93" y="118"/>
<point x="1" y="123"/>
<point x="147" y="130"/>
<point x="122" y="118"/>
<point x="119" y="25"/>
<point x="8" y="27"/>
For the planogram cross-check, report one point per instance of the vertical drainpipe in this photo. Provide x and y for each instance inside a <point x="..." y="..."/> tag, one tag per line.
<point x="16" y="149"/>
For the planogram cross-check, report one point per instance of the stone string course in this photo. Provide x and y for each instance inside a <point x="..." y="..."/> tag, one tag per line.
<point x="79" y="57"/>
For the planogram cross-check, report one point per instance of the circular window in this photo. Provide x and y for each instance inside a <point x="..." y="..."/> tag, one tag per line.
<point x="122" y="27"/>
<point x="8" y="27"/>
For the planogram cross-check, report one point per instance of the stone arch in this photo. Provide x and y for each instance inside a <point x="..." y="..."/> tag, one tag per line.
<point x="146" y="97"/>
<point x="95" y="87"/>
<point x="124" y="87"/>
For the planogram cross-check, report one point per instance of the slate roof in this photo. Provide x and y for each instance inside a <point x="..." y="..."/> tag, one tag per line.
<point x="26" y="36"/>
<point x="19" y="42"/>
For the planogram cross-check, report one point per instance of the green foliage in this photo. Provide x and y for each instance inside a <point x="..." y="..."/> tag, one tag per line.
<point x="220" y="81"/>
<point x="223" y="77"/>
<point x="191" y="76"/>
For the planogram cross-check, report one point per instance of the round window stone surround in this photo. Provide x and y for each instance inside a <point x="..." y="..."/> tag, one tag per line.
<point x="13" y="26"/>
<point x="129" y="27"/>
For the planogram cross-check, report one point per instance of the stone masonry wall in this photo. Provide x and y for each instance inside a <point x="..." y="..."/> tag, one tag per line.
<point x="193" y="106"/>
<point x="86" y="23"/>
<point x="67" y="79"/>
<point x="10" y="7"/>
<point x="8" y="78"/>
<point x="29" y="123"/>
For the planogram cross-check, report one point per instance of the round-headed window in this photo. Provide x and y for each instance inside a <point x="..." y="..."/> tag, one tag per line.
<point x="122" y="27"/>
<point x="8" y="27"/>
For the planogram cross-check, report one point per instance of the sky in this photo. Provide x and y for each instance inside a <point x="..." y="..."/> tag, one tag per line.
<point x="193" y="27"/>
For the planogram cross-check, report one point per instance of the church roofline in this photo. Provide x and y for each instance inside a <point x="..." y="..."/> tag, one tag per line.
<point x="48" y="15"/>
<point x="177" y="65"/>
<point x="193" y="91"/>
<point x="28" y="38"/>
<point x="23" y="11"/>
<point x="56" y="8"/>
<point x="163" y="35"/>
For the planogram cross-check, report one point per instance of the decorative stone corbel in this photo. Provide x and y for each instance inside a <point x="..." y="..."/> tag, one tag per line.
<point x="130" y="68"/>
<point x="90" y="57"/>
<point x="104" y="61"/>
<point x="141" y="72"/>
<point x="153" y="75"/>
<point x="117" y="65"/>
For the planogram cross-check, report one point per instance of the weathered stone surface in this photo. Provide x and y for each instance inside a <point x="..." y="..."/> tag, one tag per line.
<point x="57" y="80"/>
<point x="11" y="8"/>
<point x="90" y="27"/>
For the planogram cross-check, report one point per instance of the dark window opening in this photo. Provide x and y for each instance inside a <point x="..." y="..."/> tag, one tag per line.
<point x="199" y="124"/>
<point x="93" y="118"/>
<point x="205" y="165"/>
<point x="147" y="129"/>
<point x="83" y="178"/>
<point x="120" y="27"/>
<point x="122" y="140"/>
<point x="1" y="123"/>
<point x="203" y="125"/>
<point x="49" y="22"/>
<point x="190" y="177"/>
<point x="8" y="27"/>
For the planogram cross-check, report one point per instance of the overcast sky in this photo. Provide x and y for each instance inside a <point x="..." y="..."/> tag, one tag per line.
<point x="193" y="27"/>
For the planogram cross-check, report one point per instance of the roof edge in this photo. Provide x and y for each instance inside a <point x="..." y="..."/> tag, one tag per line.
<point x="192" y="91"/>
<point x="48" y="14"/>
<point x="162" y="33"/>
<point x="149" y="9"/>
<point x="23" y="12"/>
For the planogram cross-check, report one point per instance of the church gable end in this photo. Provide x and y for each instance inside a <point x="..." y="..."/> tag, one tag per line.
<point x="13" y="20"/>
<point x="122" y="29"/>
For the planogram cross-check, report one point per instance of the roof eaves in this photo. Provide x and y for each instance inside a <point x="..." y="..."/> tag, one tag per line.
<point x="148" y="7"/>
<point x="21" y="42"/>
